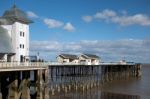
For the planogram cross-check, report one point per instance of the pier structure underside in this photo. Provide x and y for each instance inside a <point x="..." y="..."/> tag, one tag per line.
<point x="52" y="80"/>
<point x="17" y="84"/>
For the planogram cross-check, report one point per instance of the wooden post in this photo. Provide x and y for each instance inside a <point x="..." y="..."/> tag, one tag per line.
<point x="102" y="74"/>
<point x="66" y="89"/>
<point x="53" y="91"/>
<point x="58" y="89"/>
<point x="139" y="72"/>
<point x="106" y="73"/>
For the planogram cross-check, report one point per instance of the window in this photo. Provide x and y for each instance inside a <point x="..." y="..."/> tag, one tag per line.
<point x="20" y="33"/>
<point x="20" y="45"/>
<point x="23" y="34"/>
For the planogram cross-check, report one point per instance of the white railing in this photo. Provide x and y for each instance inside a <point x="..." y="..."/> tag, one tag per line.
<point x="25" y="64"/>
<point x="58" y="63"/>
<point x="45" y="64"/>
<point x="115" y="63"/>
<point x="36" y="64"/>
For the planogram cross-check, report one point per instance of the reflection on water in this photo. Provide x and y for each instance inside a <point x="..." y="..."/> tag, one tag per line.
<point x="94" y="94"/>
<point x="108" y="95"/>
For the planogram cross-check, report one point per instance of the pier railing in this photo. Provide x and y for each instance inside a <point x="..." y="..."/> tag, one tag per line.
<point x="24" y="64"/>
<point x="33" y="64"/>
<point x="45" y="64"/>
<point x="102" y="63"/>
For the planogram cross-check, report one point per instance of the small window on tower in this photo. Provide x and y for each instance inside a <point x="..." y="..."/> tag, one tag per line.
<point x="20" y="45"/>
<point x="23" y="34"/>
<point x="23" y="45"/>
<point x="20" y="33"/>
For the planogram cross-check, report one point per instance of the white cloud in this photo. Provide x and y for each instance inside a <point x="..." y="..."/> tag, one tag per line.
<point x="45" y="46"/>
<point x="87" y="18"/>
<point x="105" y="14"/>
<point x="52" y="23"/>
<point x="32" y="14"/>
<point x="138" y="19"/>
<point x="132" y="50"/>
<point x="69" y="27"/>
<point x="122" y="19"/>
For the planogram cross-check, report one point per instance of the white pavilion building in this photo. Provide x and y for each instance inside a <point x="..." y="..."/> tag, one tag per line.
<point x="14" y="35"/>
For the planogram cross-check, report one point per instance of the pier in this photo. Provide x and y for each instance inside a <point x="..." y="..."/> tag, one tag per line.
<point x="66" y="78"/>
<point x="50" y="79"/>
<point x="15" y="80"/>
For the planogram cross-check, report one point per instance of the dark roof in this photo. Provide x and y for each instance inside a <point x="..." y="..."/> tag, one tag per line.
<point x="68" y="56"/>
<point x="14" y="14"/>
<point x="5" y="42"/>
<point x="4" y="21"/>
<point x="90" y="56"/>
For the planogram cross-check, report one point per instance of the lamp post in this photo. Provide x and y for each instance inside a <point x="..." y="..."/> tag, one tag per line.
<point x="38" y="56"/>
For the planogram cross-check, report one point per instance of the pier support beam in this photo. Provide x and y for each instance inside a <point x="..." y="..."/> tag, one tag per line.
<point x="13" y="87"/>
<point x="39" y="85"/>
<point x="0" y="88"/>
<point x="24" y="86"/>
<point x="46" y="90"/>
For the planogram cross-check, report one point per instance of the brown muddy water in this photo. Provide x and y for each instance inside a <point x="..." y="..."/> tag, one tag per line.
<point x="122" y="89"/>
<point x="140" y="87"/>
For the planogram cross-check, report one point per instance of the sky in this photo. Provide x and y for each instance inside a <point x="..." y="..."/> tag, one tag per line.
<point x="111" y="29"/>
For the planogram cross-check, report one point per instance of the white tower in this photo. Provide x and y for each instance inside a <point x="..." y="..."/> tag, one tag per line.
<point x="17" y="25"/>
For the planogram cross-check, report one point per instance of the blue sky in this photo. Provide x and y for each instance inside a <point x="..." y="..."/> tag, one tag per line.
<point x="112" y="29"/>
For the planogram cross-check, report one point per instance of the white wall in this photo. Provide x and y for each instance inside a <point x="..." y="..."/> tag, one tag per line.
<point x="95" y="62"/>
<point x="86" y="61"/>
<point x="89" y="61"/>
<point x="14" y="32"/>
<point x="75" y="61"/>
<point x="61" y="60"/>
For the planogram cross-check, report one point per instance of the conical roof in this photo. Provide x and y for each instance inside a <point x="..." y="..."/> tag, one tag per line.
<point x="5" y="42"/>
<point x="14" y="14"/>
